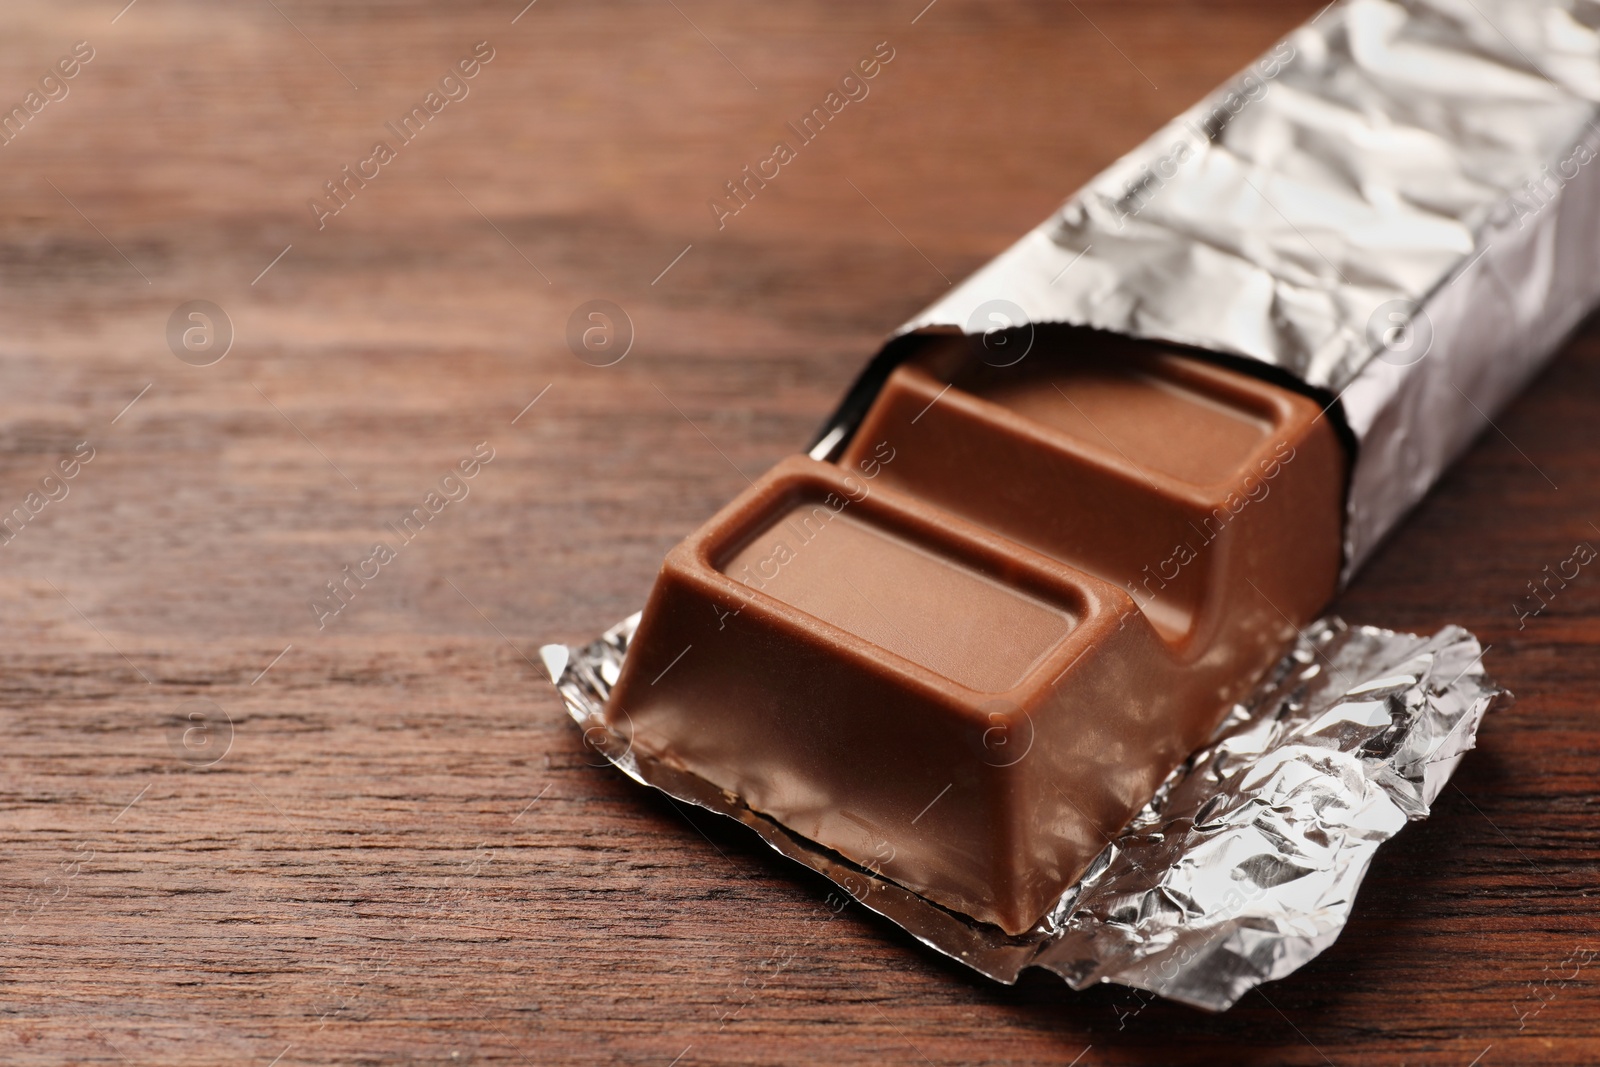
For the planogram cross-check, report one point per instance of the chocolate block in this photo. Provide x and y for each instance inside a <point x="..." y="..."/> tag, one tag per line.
<point x="969" y="652"/>
<point x="1150" y="470"/>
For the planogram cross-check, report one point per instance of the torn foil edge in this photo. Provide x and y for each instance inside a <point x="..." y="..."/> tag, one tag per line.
<point x="1246" y="864"/>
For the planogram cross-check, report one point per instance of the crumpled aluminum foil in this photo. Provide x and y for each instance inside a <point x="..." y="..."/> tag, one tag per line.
<point x="1398" y="204"/>
<point x="1244" y="866"/>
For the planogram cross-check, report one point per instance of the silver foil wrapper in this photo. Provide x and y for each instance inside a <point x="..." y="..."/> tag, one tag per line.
<point x="1246" y="863"/>
<point x="1398" y="204"/>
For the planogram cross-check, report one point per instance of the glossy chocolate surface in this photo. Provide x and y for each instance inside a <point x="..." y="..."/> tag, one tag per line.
<point x="966" y="654"/>
<point x="920" y="604"/>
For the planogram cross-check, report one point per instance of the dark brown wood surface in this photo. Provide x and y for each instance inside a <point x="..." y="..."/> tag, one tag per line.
<point x="404" y="854"/>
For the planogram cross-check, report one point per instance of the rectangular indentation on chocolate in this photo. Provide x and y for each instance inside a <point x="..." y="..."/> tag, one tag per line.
<point x="1127" y="407"/>
<point x="835" y="563"/>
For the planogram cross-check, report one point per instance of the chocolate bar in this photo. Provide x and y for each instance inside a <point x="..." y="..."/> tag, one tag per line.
<point x="969" y="651"/>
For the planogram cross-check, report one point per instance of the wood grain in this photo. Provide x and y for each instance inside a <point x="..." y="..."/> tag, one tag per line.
<point x="405" y="855"/>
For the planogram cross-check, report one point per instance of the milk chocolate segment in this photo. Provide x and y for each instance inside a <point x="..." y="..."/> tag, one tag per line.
<point x="967" y="654"/>
<point x="921" y="605"/>
<point x="1165" y="415"/>
<point x="878" y="751"/>
<point x="1181" y="482"/>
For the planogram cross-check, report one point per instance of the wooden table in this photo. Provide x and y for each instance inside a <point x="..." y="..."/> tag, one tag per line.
<point x="233" y="835"/>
